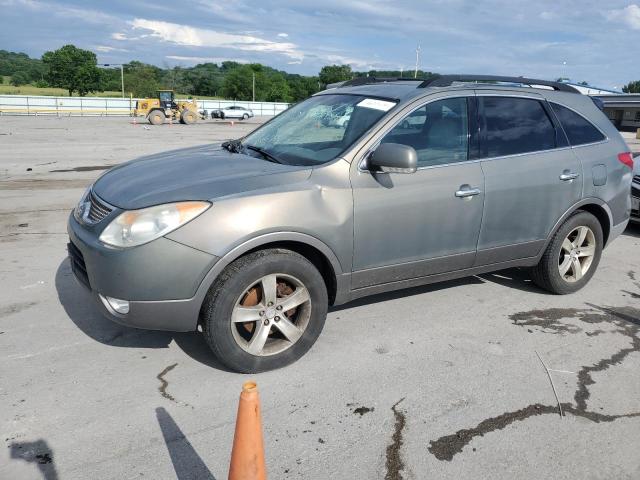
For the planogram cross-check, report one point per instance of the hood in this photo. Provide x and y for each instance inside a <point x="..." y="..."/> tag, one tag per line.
<point x="197" y="173"/>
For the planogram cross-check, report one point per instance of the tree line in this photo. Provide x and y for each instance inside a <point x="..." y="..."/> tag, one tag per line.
<point x="77" y="71"/>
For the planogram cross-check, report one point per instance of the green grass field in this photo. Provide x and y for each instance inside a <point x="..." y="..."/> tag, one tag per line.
<point x="7" y="89"/>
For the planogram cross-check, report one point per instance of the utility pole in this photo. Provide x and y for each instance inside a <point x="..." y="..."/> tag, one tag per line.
<point x="254" y="86"/>
<point x="121" y="72"/>
<point x="401" y="70"/>
<point x="415" y="73"/>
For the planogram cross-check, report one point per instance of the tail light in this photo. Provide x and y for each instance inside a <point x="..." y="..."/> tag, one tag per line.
<point x="627" y="159"/>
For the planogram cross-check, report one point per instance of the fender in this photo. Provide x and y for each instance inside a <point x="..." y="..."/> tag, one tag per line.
<point x="342" y="279"/>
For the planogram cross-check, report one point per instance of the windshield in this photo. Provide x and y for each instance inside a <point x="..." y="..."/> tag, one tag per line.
<point x="318" y="129"/>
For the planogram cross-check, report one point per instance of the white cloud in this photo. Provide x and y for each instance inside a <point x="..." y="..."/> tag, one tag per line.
<point x="629" y="15"/>
<point x="106" y="49"/>
<point x="195" y="60"/>
<point x="118" y="36"/>
<point x="283" y="35"/>
<point x="200" y="37"/>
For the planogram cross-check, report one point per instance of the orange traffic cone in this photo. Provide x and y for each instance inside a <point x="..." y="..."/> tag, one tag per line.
<point x="247" y="456"/>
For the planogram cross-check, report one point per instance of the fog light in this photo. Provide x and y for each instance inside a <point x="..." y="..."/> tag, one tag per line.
<point x="119" y="306"/>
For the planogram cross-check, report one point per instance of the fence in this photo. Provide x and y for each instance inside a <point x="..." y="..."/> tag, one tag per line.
<point x="106" y="106"/>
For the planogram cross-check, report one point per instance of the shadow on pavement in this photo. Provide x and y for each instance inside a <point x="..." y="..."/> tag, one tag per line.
<point x="186" y="461"/>
<point x="518" y="278"/>
<point x="81" y="308"/>
<point x="37" y="452"/>
<point x="633" y="230"/>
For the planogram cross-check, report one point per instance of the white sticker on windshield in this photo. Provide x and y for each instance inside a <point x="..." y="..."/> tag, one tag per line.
<point x="376" y="104"/>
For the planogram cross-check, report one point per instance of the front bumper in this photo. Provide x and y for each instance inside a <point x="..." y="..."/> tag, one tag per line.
<point x="160" y="279"/>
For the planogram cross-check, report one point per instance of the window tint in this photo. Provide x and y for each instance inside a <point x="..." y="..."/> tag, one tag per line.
<point x="438" y="132"/>
<point x="516" y="125"/>
<point x="578" y="129"/>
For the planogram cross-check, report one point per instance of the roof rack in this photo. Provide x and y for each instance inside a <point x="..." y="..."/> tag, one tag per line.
<point x="447" y="80"/>
<point x="354" y="82"/>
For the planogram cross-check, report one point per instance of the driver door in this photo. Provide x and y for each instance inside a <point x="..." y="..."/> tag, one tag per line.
<point x="413" y="225"/>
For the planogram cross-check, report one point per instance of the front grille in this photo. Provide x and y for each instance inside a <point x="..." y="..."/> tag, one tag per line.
<point x="98" y="210"/>
<point x="78" y="267"/>
<point x="636" y="178"/>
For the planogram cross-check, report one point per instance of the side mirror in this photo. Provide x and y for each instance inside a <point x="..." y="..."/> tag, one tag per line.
<point x="394" y="158"/>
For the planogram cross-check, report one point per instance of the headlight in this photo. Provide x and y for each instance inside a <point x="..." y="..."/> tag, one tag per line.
<point x="136" y="227"/>
<point x="82" y="206"/>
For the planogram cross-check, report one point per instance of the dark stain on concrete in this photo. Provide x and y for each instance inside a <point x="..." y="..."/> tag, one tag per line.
<point x="394" y="463"/>
<point x="91" y="168"/>
<point x="627" y="322"/>
<point x="362" y="410"/>
<point x="631" y="274"/>
<point x="164" y="384"/>
<point x="38" y="453"/>
<point x="631" y="294"/>
<point x="15" y="308"/>
<point x="550" y="320"/>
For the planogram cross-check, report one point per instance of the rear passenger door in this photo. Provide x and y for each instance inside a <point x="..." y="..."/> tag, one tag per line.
<point x="531" y="175"/>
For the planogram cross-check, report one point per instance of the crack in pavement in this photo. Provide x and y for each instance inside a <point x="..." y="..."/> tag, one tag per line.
<point x="627" y="321"/>
<point x="394" y="463"/>
<point x="164" y="384"/>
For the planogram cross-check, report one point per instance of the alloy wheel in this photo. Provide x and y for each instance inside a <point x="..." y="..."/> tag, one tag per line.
<point x="576" y="254"/>
<point x="271" y="315"/>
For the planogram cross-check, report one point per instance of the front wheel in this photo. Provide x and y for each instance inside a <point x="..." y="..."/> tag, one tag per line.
<point x="265" y="311"/>
<point x="245" y="116"/>
<point x="572" y="256"/>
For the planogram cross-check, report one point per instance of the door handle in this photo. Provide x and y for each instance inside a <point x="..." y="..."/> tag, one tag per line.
<point x="567" y="176"/>
<point x="468" y="192"/>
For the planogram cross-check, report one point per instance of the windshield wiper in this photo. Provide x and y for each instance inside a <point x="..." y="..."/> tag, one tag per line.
<point x="264" y="153"/>
<point x="234" y="146"/>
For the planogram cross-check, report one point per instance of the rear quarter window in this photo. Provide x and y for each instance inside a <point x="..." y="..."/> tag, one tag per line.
<point x="579" y="130"/>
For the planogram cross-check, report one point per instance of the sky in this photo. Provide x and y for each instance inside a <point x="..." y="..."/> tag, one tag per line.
<point x="583" y="40"/>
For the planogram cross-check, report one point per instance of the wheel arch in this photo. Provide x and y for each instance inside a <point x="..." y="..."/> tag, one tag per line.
<point x="594" y="206"/>
<point x="313" y="249"/>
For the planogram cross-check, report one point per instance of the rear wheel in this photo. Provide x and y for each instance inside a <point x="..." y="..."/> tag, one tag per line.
<point x="572" y="256"/>
<point x="156" y="117"/>
<point x="188" y="117"/>
<point x="266" y="311"/>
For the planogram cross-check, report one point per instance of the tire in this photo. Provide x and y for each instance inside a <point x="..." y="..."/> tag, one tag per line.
<point x="547" y="274"/>
<point x="188" y="117"/>
<point x="240" y="285"/>
<point x="221" y="115"/>
<point x="245" y="116"/>
<point x="156" y="117"/>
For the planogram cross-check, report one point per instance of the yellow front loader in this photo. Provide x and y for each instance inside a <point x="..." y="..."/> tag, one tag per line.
<point x="157" y="110"/>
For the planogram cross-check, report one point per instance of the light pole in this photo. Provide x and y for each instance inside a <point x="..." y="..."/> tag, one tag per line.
<point x="121" y="72"/>
<point x="253" y="86"/>
<point x="415" y="73"/>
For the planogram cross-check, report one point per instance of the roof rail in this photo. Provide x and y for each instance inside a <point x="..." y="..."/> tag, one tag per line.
<point x="447" y="80"/>
<point x="354" y="82"/>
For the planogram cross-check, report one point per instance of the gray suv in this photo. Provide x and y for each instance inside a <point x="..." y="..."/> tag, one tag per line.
<point x="254" y="239"/>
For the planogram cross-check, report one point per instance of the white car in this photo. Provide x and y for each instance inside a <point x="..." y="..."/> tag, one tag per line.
<point x="233" y="111"/>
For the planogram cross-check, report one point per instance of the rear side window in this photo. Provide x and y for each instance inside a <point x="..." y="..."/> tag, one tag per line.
<point x="578" y="129"/>
<point x="515" y="125"/>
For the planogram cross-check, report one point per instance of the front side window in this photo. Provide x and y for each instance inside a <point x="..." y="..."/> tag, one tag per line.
<point x="515" y="125"/>
<point x="438" y="131"/>
<point x="318" y="129"/>
<point x="578" y="129"/>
